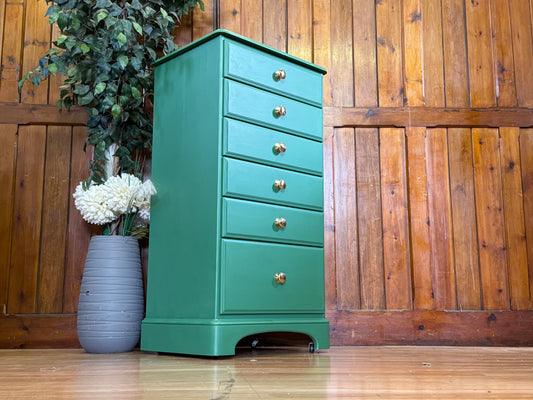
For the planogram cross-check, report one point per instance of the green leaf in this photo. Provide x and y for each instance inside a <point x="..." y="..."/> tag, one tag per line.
<point x="81" y="90"/>
<point x="138" y="28"/>
<point x="84" y="100"/>
<point x="123" y="61"/>
<point x="52" y="68"/>
<point x="101" y="15"/>
<point x="115" y="110"/>
<point x="59" y="103"/>
<point x="84" y="48"/>
<point x="61" y="39"/>
<point x="122" y="39"/>
<point x="99" y="88"/>
<point x="136" y="93"/>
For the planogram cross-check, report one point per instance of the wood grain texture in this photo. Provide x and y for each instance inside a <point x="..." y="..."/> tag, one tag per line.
<point x="183" y="33"/>
<point x="11" y="50"/>
<point x="26" y="232"/>
<point x="54" y="221"/>
<point x="394" y="190"/>
<point x="426" y="328"/>
<point x="36" y="43"/>
<point x="203" y="21"/>
<point x="440" y="219"/>
<point x="430" y="117"/>
<point x="342" y="68"/>
<point x="455" y="57"/>
<point x="299" y="29"/>
<point x="370" y="233"/>
<point x="322" y="44"/>
<point x="522" y="23"/>
<point x="503" y="53"/>
<point x="491" y="229"/>
<point x="423" y="292"/>
<point x="433" y="53"/>
<point x="389" y="53"/>
<point x="252" y="19"/>
<point x="526" y="163"/>
<point x="465" y="243"/>
<point x="364" y="53"/>
<point x="8" y="152"/>
<point x="346" y="243"/>
<point x="229" y="15"/>
<point x="329" y="222"/>
<point x="41" y="114"/>
<point x="275" y="24"/>
<point x="480" y="64"/>
<point x="515" y="232"/>
<point x="412" y="41"/>
<point x="20" y="331"/>
<point x="78" y="231"/>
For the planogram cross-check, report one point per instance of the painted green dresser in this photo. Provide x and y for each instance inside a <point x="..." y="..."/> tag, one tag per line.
<point x="237" y="231"/>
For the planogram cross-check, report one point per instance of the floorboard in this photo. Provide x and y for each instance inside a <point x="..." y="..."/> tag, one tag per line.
<point x="275" y="373"/>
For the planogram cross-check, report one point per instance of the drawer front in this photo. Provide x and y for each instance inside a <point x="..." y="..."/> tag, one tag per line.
<point x="252" y="181"/>
<point x="250" y="66"/>
<point x="257" y="221"/>
<point x="254" y="143"/>
<point x="257" y="106"/>
<point x="248" y="283"/>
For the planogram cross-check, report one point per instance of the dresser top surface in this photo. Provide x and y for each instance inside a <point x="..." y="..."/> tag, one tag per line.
<point x="241" y="39"/>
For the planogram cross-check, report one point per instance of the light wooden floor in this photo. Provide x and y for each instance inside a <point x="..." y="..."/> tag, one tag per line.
<point x="341" y="372"/>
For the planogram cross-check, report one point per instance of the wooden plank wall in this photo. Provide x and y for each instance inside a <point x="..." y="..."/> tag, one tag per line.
<point x="428" y="167"/>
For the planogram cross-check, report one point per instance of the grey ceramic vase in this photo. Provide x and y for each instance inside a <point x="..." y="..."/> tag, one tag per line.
<point x="111" y="304"/>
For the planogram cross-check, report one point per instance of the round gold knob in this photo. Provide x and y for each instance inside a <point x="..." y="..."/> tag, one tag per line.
<point x="280" y="222"/>
<point x="280" y="111"/>
<point x="279" y="75"/>
<point x="280" y="148"/>
<point x="280" y="184"/>
<point x="280" y="277"/>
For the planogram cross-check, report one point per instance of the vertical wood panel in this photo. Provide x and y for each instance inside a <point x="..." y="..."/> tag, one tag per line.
<point x="36" y="43"/>
<point x="348" y="297"/>
<point x="515" y="232"/>
<point x="433" y="54"/>
<point x="341" y="54"/>
<point x="275" y="24"/>
<point x="423" y="295"/>
<point x="389" y="45"/>
<point x="521" y="22"/>
<point x="229" y="14"/>
<point x="54" y="82"/>
<point x="8" y="136"/>
<point x="412" y="30"/>
<point x="78" y="231"/>
<point x="395" y="219"/>
<point x="203" y="21"/>
<point x="11" y="51"/>
<point x="454" y="47"/>
<point x="491" y="230"/>
<point x="322" y="44"/>
<point x="364" y="53"/>
<point x="440" y="229"/>
<point x="55" y="211"/>
<point x="465" y="243"/>
<point x="370" y="233"/>
<point x="329" y="221"/>
<point x="252" y="19"/>
<point x="481" y="73"/>
<point x="26" y="220"/>
<point x="526" y="162"/>
<point x="503" y="53"/>
<point x="2" y="12"/>
<point x="300" y="35"/>
<point x="183" y="33"/>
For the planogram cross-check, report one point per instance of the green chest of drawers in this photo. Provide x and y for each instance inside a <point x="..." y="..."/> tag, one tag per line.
<point x="236" y="236"/>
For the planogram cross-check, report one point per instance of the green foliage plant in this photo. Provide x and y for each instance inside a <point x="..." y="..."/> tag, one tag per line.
<point x="105" y="50"/>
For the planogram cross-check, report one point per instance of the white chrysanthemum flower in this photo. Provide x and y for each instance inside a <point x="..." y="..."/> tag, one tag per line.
<point x="121" y="191"/>
<point x="92" y="204"/>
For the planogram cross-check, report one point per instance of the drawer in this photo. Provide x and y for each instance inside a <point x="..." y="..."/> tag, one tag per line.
<point x="257" y="106"/>
<point x="252" y="181"/>
<point x="254" y="143"/>
<point x="248" y="283"/>
<point x="257" y="221"/>
<point x="250" y="66"/>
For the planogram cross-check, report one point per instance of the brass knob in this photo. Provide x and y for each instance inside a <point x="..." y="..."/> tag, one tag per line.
<point x="280" y="111"/>
<point x="280" y="147"/>
<point x="280" y="277"/>
<point x="280" y="222"/>
<point x="279" y="75"/>
<point x="280" y="184"/>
